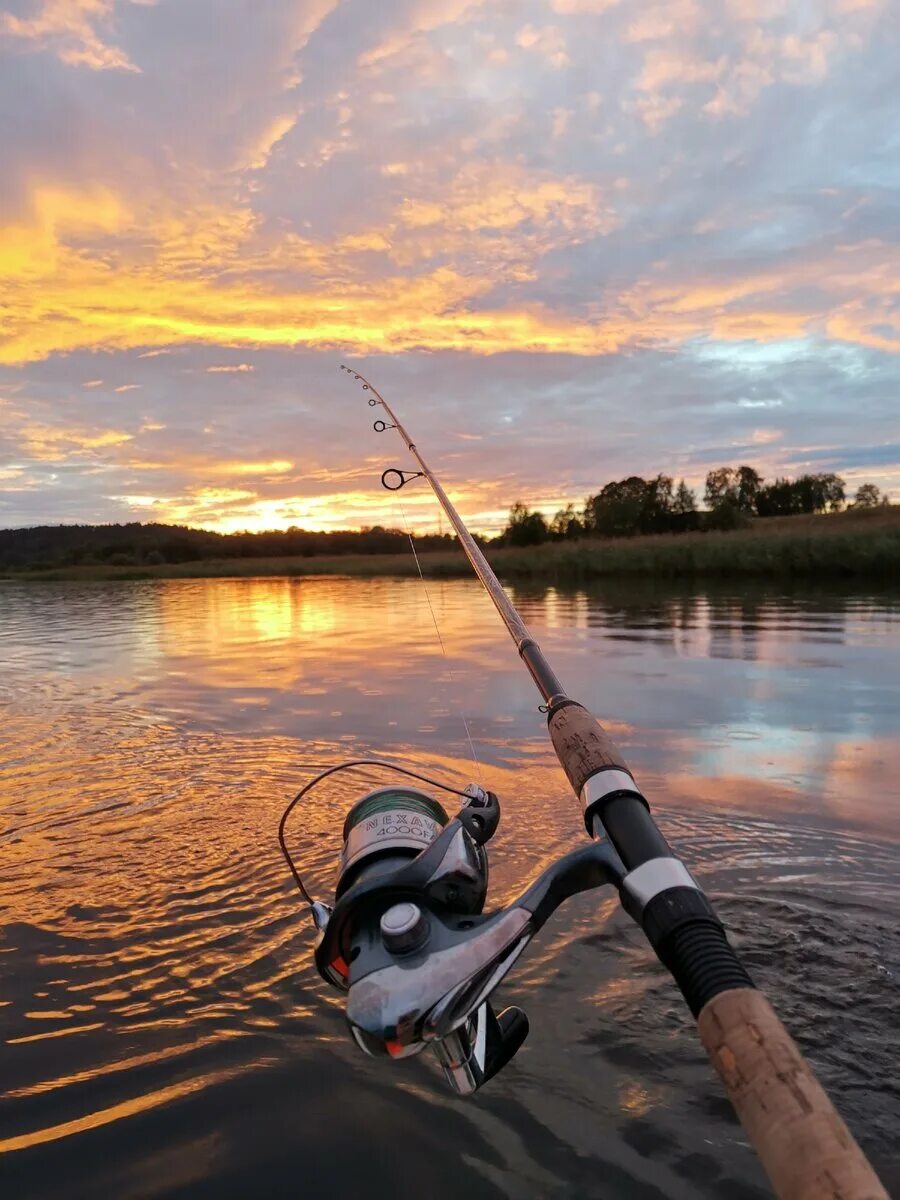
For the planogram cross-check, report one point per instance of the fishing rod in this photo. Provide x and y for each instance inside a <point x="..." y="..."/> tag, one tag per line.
<point x="408" y="941"/>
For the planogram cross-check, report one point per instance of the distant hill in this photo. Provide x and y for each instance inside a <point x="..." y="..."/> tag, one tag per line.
<point x="46" y="546"/>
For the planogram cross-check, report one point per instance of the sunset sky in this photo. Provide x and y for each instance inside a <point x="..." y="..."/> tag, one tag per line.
<point x="571" y="240"/>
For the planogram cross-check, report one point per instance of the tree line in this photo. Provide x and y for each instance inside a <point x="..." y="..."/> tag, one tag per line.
<point x="733" y="495"/>
<point x="623" y="508"/>
<point x="131" y="544"/>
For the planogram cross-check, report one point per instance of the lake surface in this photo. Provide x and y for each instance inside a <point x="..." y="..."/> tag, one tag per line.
<point x="163" y="1032"/>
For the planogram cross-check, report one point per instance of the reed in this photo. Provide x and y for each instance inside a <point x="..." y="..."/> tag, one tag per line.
<point x="807" y="549"/>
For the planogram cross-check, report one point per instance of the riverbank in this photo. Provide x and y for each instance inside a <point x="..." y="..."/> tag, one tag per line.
<point x="842" y="545"/>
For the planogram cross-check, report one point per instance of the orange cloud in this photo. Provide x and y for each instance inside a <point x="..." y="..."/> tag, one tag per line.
<point x="45" y="443"/>
<point x="499" y="197"/>
<point x="88" y="269"/>
<point x="230" y="510"/>
<point x="59" y="298"/>
<point x="422" y="17"/>
<point x="879" y="332"/>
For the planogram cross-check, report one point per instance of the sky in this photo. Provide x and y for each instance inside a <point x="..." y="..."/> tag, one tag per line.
<point x="569" y="240"/>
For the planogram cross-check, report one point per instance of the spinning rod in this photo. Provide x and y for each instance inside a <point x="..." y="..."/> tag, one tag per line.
<point x="408" y="942"/>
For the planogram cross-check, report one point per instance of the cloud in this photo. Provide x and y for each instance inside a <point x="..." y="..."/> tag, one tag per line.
<point x="579" y="7"/>
<point x="69" y="28"/>
<point x="546" y="40"/>
<point x="661" y="224"/>
<point x="408" y="22"/>
<point x="256" y="155"/>
<point x="500" y="196"/>
<point x="46" y="443"/>
<point x="765" y="437"/>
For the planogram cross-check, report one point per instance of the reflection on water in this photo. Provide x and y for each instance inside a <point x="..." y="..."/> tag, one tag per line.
<point x="163" y="1033"/>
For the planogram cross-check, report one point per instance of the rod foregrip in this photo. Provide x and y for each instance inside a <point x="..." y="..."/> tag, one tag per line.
<point x="806" y="1149"/>
<point x="600" y="777"/>
<point x="582" y="745"/>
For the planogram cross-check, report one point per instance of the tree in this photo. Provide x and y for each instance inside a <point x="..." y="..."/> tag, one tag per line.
<point x="566" y="523"/>
<point x="834" y="491"/>
<point x="616" y="509"/>
<point x="630" y="506"/>
<point x="721" y="484"/>
<point x="726" y="516"/>
<point x="657" y="505"/>
<point x="818" y="493"/>
<point x="867" y="496"/>
<point x="778" y="499"/>
<point x="684" y="501"/>
<point x="808" y="494"/>
<point x="524" y="527"/>
<point x="738" y="486"/>
<point x="748" y="483"/>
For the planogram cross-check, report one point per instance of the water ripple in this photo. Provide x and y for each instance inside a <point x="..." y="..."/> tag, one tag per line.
<point x="163" y="1030"/>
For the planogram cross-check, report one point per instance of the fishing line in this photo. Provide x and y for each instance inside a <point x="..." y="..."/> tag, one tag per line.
<point x="437" y="630"/>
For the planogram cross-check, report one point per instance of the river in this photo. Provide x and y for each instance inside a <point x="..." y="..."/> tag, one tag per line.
<point x="162" y="1030"/>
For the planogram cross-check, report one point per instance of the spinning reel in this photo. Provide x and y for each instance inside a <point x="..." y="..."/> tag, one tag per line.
<point x="407" y="940"/>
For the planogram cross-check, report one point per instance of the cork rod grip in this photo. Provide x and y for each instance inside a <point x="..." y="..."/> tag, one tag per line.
<point x="806" y="1149"/>
<point x="582" y="745"/>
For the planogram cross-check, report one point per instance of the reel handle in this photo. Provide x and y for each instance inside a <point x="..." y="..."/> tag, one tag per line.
<point x="481" y="1048"/>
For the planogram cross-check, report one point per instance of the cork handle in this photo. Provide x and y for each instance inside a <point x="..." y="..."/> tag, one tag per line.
<point x="582" y="745"/>
<point x="806" y="1149"/>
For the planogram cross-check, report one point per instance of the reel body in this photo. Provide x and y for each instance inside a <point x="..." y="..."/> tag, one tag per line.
<point x="409" y="943"/>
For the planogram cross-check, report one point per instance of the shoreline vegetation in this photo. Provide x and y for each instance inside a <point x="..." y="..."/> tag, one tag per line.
<point x="855" y="543"/>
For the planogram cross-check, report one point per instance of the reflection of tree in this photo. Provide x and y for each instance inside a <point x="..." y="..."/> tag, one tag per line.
<point x="632" y="611"/>
<point x="734" y="623"/>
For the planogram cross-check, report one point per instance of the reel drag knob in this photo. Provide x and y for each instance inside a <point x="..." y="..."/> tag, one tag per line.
<point x="404" y="928"/>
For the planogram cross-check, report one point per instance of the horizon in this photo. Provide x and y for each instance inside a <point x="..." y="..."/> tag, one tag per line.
<point x="442" y="527"/>
<point x="570" y="240"/>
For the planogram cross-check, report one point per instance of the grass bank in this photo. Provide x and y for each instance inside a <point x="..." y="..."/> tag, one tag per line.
<point x="842" y="545"/>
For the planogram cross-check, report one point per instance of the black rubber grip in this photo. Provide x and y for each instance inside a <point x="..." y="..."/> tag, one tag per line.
<point x="702" y="962"/>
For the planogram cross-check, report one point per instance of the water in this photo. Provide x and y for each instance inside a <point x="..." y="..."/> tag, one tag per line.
<point x="162" y="1031"/>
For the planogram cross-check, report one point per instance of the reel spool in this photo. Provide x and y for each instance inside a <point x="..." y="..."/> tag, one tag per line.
<point x="384" y="829"/>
